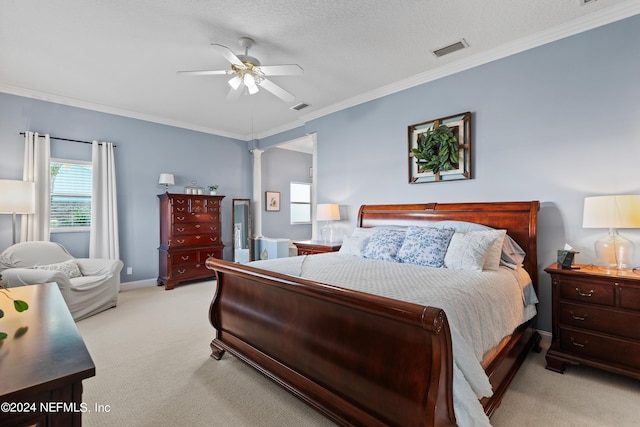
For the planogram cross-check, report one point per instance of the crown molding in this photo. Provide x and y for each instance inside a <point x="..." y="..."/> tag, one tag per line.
<point x="576" y="26"/>
<point x="72" y="102"/>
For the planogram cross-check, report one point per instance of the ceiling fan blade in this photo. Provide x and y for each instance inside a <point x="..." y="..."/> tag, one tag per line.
<point x="234" y="94"/>
<point x="276" y="90"/>
<point x="227" y="54"/>
<point x="203" y="72"/>
<point x="282" y="70"/>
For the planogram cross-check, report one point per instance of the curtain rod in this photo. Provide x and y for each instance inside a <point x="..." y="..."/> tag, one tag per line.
<point x="66" y="139"/>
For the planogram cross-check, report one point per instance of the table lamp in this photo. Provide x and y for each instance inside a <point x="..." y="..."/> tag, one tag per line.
<point x="166" y="179"/>
<point x="16" y="197"/>
<point x="327" y="212"/>
<point x="612" y="212"/>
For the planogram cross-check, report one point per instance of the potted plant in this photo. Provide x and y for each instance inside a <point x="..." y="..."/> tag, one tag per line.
<point x="437" y="150"/>
<point x="212" y="189"/>
<point x="19" y="305"/>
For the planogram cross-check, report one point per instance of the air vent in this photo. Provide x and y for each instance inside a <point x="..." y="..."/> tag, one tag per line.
<point x="583" y="2"/>
<point x="300" y="106"/>
<point x="451" y="48"/>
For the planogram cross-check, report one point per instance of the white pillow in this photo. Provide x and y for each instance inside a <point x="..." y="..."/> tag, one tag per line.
<point x="69" y="268"/>
<point x="494" y="252"/>
<point x="353" y="245"/>
<point x="470" y="250"/>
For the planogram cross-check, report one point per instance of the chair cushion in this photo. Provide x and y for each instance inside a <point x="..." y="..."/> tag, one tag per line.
<point x="68" y="268"/>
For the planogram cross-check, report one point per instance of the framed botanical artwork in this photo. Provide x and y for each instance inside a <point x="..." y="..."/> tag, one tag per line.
<point x="440" y="149"/>
<point x="272" y="200"/>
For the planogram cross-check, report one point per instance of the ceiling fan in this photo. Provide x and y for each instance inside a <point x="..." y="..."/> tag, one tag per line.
<point x="248" y="73"/>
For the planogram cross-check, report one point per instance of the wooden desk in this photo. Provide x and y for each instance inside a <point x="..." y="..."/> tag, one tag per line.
<point x="41" y="372"/>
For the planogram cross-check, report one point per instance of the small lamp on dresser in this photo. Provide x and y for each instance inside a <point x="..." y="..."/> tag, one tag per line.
<point x="327" y="212"/>
<point x="166" y="179"/>
<point x="613" y="212"/>
<point x="16" y="197"/>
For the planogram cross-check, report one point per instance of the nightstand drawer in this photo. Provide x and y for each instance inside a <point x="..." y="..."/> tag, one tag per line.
<point x="630" y="297"/>
<point x="600" y="347"/>
<point x="614" y="322"/>
<point x="592" y="291"/>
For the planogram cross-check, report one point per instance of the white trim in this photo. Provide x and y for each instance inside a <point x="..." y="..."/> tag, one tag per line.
<point x="129" y="286"/>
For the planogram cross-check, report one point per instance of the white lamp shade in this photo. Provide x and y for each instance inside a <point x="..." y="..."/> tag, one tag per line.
<point x="17" y="197"/>
<point x="166" y="179"/>
<point x="620" y="211"/>
<point x="328" y="212"/>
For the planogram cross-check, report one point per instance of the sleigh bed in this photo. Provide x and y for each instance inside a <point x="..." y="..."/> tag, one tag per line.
<point x="360" y="358"/>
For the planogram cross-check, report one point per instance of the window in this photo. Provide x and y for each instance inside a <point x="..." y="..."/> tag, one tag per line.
<point x="300" y="203"/>
<point x="70" y="195"/>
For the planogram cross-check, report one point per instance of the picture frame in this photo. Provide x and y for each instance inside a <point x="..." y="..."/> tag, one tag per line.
<point x="272" y="201"/>
<point x="454" y="164"/>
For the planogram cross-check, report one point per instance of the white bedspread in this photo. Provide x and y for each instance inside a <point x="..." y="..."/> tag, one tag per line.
<point x="471" y="301"/>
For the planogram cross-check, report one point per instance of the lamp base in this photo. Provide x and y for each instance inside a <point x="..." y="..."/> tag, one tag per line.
<point x="614" y="251"/>
<point x="327" y="232"/>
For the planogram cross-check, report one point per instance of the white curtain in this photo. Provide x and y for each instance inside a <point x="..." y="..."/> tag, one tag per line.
<point x="36" y="168"/>
<point x="103" y="239"/>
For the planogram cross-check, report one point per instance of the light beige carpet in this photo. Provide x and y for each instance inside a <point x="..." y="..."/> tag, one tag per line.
<point x="153" y="368"/>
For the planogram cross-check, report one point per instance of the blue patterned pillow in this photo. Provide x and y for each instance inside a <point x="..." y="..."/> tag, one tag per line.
<point x="425" y="246"/>
<point x="384" y="244"/>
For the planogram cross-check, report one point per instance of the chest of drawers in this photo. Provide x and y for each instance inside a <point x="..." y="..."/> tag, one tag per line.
<point x="190" y="232"/>
<point x="595" y="319"/>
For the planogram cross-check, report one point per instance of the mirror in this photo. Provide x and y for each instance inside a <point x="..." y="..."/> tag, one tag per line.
<point x="241" y="216"/>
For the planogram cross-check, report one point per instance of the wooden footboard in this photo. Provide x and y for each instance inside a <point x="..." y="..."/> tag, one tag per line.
<point x="358" y="358"/>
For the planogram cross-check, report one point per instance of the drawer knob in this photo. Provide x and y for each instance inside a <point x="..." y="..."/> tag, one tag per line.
<point x="180" y="229"/>
<point x="184" y="258"/>
<point x="183" y="271"/>
<point x="582" y="294"/>
<point x="181" y="241"/>
<point x="583" y="318"/>
<point x="577" y="344"/>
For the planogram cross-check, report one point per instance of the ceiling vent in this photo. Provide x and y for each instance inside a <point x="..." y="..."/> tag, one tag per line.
<point x="583" y="2"/>
<point x="299" y="106"/>
<point x="461" y="44"/>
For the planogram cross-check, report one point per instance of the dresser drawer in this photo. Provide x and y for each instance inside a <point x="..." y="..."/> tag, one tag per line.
<point x="600" y="347"/>
<point x="208" y="253"/>
<point x="194" y="228"/>
<point x="593" y="292"/>
<point x="179" y="218"/>
<point x="615" y="322"/>
<point x="194" y="240"/>
<point x="178" y="258"/>
<point x="190" y="271"/>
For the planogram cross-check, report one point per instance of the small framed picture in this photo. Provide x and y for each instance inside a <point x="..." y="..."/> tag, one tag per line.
<point x="272" y="201"/>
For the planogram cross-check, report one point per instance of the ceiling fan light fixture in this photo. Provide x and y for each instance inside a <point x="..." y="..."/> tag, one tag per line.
<point x="249" y="80"/>
<point x="252" y="89"/>
<point x="235" y="82"/>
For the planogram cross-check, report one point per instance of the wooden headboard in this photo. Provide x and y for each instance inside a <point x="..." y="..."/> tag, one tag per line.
<point x="518" y="218"/>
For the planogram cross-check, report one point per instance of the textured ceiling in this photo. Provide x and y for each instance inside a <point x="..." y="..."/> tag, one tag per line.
<point x="121" y="56"/>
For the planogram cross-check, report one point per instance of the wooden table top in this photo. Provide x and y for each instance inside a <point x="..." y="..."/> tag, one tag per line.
<point x="50" y="353"/>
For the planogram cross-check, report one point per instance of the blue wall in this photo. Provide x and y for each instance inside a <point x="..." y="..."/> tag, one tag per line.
<point x="144" y="150"/>
<point x="555" y="124"/>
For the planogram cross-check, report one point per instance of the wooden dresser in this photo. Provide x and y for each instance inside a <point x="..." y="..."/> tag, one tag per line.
<point x="595" y="319"/>
<point x="43" y="362"/>
<point x="190" y="232"/>
<point x="310" y="247"/>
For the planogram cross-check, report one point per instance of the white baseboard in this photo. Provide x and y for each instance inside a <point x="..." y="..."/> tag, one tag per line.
<point x="127" y="286"/>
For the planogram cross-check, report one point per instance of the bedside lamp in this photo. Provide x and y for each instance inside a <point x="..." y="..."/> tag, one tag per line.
<point x="16" y="197"/>
<point x="327" y="212"/>
<point x="612" y="212"/>
<point x="166" y="179"/>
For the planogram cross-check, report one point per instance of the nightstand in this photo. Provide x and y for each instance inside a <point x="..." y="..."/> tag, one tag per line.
<point x="310" y="247"/>
<point x="595" y="319"/>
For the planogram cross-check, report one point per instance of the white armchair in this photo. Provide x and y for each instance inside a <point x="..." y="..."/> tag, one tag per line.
<point x="89" y="288"/>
